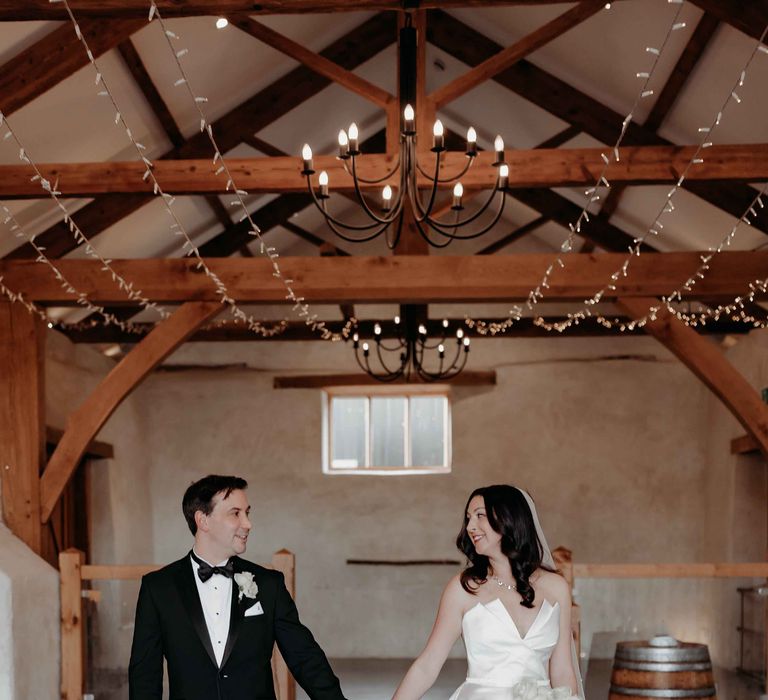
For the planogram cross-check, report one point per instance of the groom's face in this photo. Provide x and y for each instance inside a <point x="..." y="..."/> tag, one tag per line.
<point x="226" y="528"/>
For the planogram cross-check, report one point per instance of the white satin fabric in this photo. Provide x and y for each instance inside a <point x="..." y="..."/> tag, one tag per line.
<point x="498" y="657"/>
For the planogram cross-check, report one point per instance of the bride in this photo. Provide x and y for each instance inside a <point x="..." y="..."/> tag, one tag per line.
<point x="511" y="607"/>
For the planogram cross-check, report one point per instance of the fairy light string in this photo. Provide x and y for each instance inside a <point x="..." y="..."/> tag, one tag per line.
<point x="81" y="298"/>
<point x="592" y="195"/>
<point x="667" y="208"/>
<point x="177" y="227"/>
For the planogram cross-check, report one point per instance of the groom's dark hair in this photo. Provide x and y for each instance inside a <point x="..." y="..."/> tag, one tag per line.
<point x="200" y="495"/>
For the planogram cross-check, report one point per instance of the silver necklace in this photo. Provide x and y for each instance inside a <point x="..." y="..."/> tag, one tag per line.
<point x="501" y="584"/>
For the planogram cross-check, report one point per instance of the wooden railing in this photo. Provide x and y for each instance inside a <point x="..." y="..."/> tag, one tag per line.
<point x="74" y="571"/>
<point x="571" y="571"/>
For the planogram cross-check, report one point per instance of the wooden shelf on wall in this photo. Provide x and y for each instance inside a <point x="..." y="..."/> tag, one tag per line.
<point x="744" y="445"/>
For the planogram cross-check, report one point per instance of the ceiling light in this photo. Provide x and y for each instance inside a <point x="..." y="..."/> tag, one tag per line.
<point x="221" y="22"/>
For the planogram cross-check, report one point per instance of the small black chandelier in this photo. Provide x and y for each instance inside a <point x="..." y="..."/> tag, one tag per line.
<point x="386" y="217"/>
<point x="411" y="352"/>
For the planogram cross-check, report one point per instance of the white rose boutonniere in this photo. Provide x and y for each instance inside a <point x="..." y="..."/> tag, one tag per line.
<point x="246" y="585"/>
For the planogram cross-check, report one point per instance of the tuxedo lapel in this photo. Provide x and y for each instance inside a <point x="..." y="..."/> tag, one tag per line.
<point x="235" y="618"/>
<point x="185" y="581"/>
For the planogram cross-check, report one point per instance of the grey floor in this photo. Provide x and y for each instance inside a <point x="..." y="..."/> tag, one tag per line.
<point x="376" y="679"/>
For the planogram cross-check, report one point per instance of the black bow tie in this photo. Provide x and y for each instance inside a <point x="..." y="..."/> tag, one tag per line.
<point x="205" y="570"/>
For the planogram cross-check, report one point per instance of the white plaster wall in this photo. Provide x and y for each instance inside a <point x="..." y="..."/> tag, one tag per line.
<point x="613" y="450"/>
<point x="736" y="489"/>
<point x="613" y="437"/>
<point x="30" y="632"/>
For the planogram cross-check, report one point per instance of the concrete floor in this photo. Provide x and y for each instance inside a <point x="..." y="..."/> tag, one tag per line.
<point x="376" y="679"/>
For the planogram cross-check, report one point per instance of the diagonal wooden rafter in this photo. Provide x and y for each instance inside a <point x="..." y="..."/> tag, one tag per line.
<point x="85" y="422"/>
<point x="512" y="54"/>
<point x="359" y="45"/>
<point x="709" y="365"/>
<point x="313" y="61"/>
<point x="574" y="107"/>
<point x="55" y="57"/>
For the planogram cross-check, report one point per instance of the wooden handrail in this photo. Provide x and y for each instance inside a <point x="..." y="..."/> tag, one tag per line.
<point x="73" y="628"/>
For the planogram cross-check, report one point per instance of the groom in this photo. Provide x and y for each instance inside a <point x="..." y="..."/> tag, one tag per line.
<point x="215" y="617"/>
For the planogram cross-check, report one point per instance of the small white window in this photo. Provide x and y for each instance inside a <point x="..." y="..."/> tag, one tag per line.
<point x="386" y="430"/>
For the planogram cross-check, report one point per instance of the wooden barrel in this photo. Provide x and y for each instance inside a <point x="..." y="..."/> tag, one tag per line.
<point x="661" y="668"/>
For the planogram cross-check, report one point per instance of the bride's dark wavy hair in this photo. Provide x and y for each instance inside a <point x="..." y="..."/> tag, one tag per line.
<point x="508" y="514"/>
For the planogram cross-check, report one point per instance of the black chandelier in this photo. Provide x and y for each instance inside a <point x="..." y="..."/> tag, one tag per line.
<point x="411" y="352"/>
<point x="386" y="217"/>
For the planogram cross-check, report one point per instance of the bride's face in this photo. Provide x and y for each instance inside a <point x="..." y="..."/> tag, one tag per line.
<point x="484" y="538"/>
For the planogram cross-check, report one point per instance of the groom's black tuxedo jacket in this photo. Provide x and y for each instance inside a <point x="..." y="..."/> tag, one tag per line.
<point x="170" y="624"/>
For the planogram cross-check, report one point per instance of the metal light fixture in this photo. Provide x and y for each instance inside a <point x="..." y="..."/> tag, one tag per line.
<point x="386" y="216"/>
<point x="411" y="352"/>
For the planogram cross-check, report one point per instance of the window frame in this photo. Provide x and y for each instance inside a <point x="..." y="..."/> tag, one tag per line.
<point x="368" y="392"/>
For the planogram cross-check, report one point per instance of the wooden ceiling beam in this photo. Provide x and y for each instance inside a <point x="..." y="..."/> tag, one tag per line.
<point x="512" y="54"/>
<point x="575" y="107"/>
<point x="354" y="48"/>
<point x="559" y="167"/>
<point x="13" y="10"/>
<point x="85" y="422"/>
<point x="403" y="279"/>
<point x="299" y="331"/>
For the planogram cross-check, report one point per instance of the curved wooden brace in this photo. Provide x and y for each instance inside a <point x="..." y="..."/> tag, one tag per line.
<point x="703" y="358"/>
<point x="84" y="423"/>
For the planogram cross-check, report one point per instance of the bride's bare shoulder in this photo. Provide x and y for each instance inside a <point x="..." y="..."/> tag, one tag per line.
<point x="553" y="586"/>
<point x="455" y="594"/>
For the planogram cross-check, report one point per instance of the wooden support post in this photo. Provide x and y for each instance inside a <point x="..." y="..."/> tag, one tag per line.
<point x="72" y="625"/>
<point x="88" y="419"/>
<point x="706" y="361"/>
<point x="22" y="420"/>
<point x="285" y="685"/>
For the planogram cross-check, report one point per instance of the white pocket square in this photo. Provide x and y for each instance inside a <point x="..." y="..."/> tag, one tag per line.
<point x="255" y="609"/>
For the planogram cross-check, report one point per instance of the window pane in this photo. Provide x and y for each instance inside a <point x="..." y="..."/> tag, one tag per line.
<point x="388" y="431"/>
<point x="428" y="431"/>
<point x="348" y="432"/>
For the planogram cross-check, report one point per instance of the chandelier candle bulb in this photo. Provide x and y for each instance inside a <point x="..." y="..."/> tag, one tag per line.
<point x="343" y="145"/>
<point x="377" y="330"/>
<point x="386" y="203"/>
<point x="365" y="349"/>
<point x="353" y="136"/>
<point x="323" y="182"/>
<point x="422" y="329"/>
<point x="397" y="320"/>
<point x="438" y="138"/>
<point x="441" y="350"/>
<point x="409" y="119"/>
<point x="466" y="344"/>
<point x="306" y="154"/>
<point x="498" y="146"/>
<point x="459" y="334"/>
<point x="471" y="142"/>
<point x="458" y="191"/>
<point x="503" y="176"/>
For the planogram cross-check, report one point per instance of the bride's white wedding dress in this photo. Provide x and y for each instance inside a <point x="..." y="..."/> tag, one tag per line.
<point x="500" y="658"/>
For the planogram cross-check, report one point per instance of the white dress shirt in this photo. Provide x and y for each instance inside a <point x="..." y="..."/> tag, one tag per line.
<point x="216" y="599"/>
